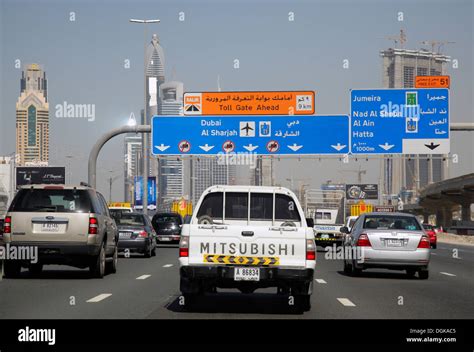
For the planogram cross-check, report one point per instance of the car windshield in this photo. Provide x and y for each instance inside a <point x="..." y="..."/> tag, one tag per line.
<point x="385" y="222"/>
<point x="52" y="200"/>
<point x="128" y="219"/>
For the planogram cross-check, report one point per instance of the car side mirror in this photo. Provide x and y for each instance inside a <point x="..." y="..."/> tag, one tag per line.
<point x="310" y="222"/>
<point x="344" y="229"/>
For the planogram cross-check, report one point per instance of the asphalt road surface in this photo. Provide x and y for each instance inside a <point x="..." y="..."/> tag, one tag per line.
<point x="149" y="288"/>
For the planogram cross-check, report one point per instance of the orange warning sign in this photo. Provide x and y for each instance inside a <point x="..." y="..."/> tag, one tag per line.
<point x="249" y="103"/>
<point x="432" y="82"/>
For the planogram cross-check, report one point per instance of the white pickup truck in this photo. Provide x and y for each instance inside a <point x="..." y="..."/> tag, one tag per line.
<point x="247" y="237"/>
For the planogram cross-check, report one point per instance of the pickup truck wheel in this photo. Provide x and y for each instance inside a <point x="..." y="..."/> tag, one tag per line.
<point x="35" y="269"/>
<point x="190" y="300"/>
<point x="11" y="269"/>
<point x="97" y="268"/>
<point x="303" y="302"/>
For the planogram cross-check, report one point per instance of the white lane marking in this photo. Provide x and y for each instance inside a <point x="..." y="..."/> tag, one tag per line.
<point x="167" y="265"/>
<point x="143" y="277"/>
<point x="346" y="302"/>
<point x="320" y="281"/>
<point x="99" y="298"/>
<point x="447" y="274"/>
<point x="434" y="253"/>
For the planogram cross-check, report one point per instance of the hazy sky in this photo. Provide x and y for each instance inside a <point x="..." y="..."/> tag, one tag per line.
<point x="84" y="62"/>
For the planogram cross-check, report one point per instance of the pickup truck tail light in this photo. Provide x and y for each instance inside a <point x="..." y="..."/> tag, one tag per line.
<point x="7" y="225"/>
<point x="310" y="250"/>
<point x="363" y="241"/>
<point x="143" y="234"/>
<point x="184" y="247"/>
<point x="424" y="242"/>
<point x="93" y="226"/>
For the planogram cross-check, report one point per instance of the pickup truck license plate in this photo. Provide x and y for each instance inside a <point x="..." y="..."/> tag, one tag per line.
<point x="246" y="274"/>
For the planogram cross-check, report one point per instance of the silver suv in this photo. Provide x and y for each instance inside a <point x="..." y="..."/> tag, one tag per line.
<point x="69" y="225"/>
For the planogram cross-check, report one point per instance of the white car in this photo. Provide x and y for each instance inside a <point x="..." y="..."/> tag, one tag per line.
<point x="248" y="237"/>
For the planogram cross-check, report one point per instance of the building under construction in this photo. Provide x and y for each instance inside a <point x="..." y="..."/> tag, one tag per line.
<point x="405" y="175"/>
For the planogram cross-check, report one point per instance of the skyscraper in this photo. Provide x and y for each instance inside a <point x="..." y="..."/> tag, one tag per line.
<point x="133" y="164"/>
<point x="171" y="170"/>
<point x="155" y="77"/>
<point x="400" y="67"/>
<point x="32" y="117"/>
<point x="206" y="172"/>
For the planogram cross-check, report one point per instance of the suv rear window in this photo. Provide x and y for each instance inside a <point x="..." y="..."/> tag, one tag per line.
<point x="165" y="218"/>
<point x="52" y="200"/>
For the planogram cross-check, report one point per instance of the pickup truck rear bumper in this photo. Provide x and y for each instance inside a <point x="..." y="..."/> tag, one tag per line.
<point x="223" y="277"/>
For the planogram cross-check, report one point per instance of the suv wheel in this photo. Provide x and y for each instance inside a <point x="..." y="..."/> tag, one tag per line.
<point x="112" y="265"/>
<point x="97" y="268"/>
<point x="35" y="269"/>
<point x="347" y="268"/>
<point x="11" y="269"/>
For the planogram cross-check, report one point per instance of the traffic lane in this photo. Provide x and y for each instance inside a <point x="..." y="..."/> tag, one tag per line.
<point x="231" y="304"/>
<point x="379" y="293"/>
<point x="455" y="251"/>
<point x="51" y="294"/>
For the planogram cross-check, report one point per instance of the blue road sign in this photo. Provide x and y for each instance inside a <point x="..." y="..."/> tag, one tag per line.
<point x="264" y="135"/>
<point x="400" y="121"/>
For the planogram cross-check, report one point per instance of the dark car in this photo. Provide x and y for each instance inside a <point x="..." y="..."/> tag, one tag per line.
<point x="167" y="226"/>
<point x="136" y="234"/>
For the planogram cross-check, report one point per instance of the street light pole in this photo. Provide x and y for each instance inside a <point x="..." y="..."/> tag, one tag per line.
<point x="145" y="136"/>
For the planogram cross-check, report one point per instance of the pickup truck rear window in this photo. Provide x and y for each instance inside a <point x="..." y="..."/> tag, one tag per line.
<point x="52" y="200"/>
<point x="236" y="205"/>
<point x="211" y="206"/>
<point x="285" y="208"/>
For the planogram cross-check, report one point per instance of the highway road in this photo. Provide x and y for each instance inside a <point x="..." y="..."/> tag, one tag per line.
<point x="149" y="288"/>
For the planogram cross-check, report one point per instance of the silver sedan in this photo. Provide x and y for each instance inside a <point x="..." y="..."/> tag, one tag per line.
<point x="386" y="240"/>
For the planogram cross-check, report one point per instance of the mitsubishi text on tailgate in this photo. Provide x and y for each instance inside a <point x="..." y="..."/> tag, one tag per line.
<point x="248" y="237"/>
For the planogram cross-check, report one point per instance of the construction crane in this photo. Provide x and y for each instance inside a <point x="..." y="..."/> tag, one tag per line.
<point x="434" y="43"/>
<point x="398" y="40"/>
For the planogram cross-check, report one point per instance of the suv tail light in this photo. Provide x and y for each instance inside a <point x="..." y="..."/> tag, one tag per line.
<point x="184" y="246"/>
<point x="363" y="241"/>
<point x="93" y="226"/>
<point x="424" y="242"/>
<point x="310" y="250"/>
<point x="143" y="234"/>
<point x="7" y="225"/>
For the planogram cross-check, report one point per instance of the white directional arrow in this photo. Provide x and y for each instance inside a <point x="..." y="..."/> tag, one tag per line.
<point x="250" y="147"/>
<point x="206" y="147"/>
<point x="386" y="146"/>
<point x="162" y="147"/>
<point x="338" y="146"/>
<point x="295" y="147"/>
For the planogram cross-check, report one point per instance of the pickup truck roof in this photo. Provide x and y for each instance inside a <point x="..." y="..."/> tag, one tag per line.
<point x="256" y="189"/>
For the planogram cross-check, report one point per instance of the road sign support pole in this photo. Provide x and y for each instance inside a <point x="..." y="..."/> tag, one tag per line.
<point x="94" y="153"/>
